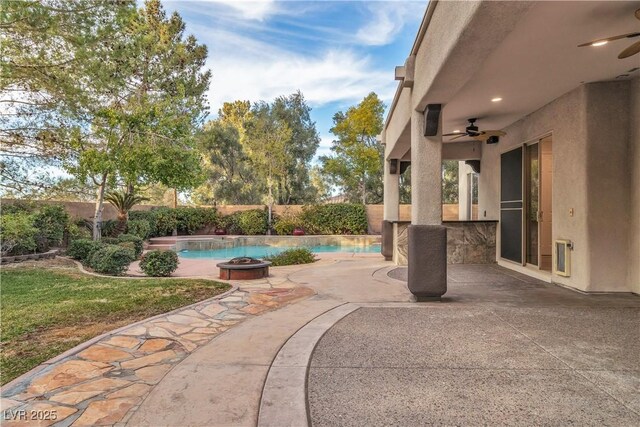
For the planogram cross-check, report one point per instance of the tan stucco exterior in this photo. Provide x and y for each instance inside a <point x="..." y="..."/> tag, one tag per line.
<point x="595" y="129"/>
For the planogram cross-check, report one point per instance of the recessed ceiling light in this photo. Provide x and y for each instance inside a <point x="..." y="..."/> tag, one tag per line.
<point x="498" y="99"/>
<point x="602" y="43"/>
<point x="456" y="131"/>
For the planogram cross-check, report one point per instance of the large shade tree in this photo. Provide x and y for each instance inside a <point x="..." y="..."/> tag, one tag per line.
<point x="355" y="164"/>
<point x="134" y="101"/>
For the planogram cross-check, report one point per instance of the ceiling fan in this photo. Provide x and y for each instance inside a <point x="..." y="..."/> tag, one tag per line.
<point x="472" y="131"/>
<point x="629" y="51"/>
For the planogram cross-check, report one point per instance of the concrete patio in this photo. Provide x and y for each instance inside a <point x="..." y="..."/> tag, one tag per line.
<point x="501" y="348"/>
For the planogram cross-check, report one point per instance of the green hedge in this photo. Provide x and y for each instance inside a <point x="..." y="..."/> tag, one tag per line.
<point x="18" y="234"/>
<point x="111" y="259"/>
<point x="83" y="249"/>
<point x="249" y="222"/>
<point x="162" y="221"/>
<point x="159" y="263"/>
<point x="28" y="227"/>
<point x="338" y="218"/>
<point x="139" y="227"/>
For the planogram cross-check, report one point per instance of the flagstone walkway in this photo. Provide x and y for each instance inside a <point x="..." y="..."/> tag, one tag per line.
<point x="103" y="381"/>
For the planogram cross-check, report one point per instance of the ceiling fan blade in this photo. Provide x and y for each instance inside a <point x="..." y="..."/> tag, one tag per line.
<point x="630" y="51"/>
<point x="453" y="134"/>
<point x="459" y="136"/>
<point x="481" y="137"/>
<point x="609" y="39"/>
<point x="494" y="133"/>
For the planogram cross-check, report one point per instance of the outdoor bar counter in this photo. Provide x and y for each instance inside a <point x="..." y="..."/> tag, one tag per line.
<point x="468" y="242"/>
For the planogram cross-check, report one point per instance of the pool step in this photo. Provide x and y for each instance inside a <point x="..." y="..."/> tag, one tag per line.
<point x="162" y="244"/>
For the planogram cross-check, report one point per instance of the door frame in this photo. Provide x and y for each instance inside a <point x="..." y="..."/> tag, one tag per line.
<point x="523" y="146"/>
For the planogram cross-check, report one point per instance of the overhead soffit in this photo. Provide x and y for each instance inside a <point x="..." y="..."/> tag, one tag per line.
<point x="539" y="61"/>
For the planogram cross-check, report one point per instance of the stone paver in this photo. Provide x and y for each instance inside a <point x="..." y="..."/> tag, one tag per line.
<point x="103" y="382"/>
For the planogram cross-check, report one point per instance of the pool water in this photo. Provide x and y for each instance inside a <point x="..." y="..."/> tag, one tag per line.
<point x="262" y="251"/>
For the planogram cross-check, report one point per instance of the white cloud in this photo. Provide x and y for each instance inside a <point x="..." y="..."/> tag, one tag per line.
<point x="388" y="19"/>
<point x="249" y="69"/>
<point x="257" y="10"/>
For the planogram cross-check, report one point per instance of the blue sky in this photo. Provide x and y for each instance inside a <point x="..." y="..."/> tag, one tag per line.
<point x="335" y="52"/>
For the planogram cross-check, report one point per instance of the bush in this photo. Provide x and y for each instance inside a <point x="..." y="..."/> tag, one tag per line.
<point x="17" y="233"/>
<point x="159" y="263"/>
<point x="284" y="225"/>
<point x="109" y="228"/>
<point x="191" y="219"/>
<point x="83" y="249"/>
<point x="138" y="243"/>
<point x="292" y="257"/>
<point x="161" y="220"/>
<point x="51" y="222"/>
<point x="111" y="259"/>
<point x="77" y="230"/>
<point x="251" y="222"/>
<point x="338" y="218"/>
<point x="140" y="228"/>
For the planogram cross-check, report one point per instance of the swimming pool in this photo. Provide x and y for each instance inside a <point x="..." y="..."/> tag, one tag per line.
<point x="261" y="251"/>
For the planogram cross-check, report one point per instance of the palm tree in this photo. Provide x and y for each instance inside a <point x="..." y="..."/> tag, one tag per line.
<point x="123" y="201"/>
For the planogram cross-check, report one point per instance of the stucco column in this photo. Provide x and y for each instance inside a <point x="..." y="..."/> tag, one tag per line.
<point x="426" y="173"/>
<point x="391" y="210"/>
<point x="427" y="238"/>
<point x="391" y="194"/>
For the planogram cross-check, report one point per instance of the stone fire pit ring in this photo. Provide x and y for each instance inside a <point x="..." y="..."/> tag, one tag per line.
<point x="244" y="268"/>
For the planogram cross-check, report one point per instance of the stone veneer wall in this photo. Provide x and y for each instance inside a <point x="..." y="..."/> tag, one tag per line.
<point x="467" y="242"/>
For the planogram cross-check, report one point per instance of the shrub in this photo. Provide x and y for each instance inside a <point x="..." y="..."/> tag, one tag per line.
<point x="251" y="222"/>
<point x="162" y="220"/>
<point x="159" y="263"/>
<point x="292" y="257"/>
<point x="83" y="249"/>
<point x="111" y="259"/>
<point x="140" y="228"/>
<point x="191" y="219"/>
<point x="109" y="228"/>
<point x="138" y="243"/>
<point x="284" y="225"/>
<point x="17" y="233"/>
<point x="338" y="218"/>
<point x="76" y="230"/>
<point x="51" y="222"/>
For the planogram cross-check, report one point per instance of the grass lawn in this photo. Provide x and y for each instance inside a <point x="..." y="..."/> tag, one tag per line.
<point x="48" y="307"/>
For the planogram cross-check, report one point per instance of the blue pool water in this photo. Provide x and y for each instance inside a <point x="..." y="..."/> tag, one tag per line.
<point x="262" y="251"/>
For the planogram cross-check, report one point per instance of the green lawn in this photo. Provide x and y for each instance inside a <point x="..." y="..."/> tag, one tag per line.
<point x="47" y="308"/>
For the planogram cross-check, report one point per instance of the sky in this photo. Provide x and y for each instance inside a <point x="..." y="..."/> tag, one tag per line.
<point x="334" y="52"/>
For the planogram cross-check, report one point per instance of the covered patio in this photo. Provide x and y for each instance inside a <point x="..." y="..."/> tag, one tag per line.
<point x="547" y="132"/>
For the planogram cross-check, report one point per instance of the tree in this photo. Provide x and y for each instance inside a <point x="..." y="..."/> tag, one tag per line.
<point x="450" y="181"/>
<point x="295" y="186"/>
<point x="230" y="179"/>
<point x="137" y="101"/>
<point x="123" y="201"/>
<point x="355" y="165"/>
<point x="266" y="139"/>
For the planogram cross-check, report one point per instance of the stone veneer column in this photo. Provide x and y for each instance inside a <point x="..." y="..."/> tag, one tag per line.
<point x="391" y="210"/>
<point x="427" y="254"/>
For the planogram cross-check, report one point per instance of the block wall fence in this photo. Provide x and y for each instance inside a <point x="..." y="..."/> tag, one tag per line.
<point x="374" y="212"/>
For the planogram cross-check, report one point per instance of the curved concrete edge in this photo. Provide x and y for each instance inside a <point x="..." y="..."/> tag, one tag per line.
<point x="284" y="398"/>
<point x="77" y="349"/>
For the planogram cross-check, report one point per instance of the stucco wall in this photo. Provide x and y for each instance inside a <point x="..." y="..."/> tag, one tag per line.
<point x="634" y="158"/>
<point x="591" y="175"/>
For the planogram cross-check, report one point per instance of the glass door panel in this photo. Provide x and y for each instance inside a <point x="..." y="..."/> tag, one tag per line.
<point x="532" y="186"/>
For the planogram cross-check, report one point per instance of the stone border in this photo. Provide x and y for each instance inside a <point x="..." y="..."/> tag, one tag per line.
<point x="29" y="257"/>
<point x="77" y="349"/>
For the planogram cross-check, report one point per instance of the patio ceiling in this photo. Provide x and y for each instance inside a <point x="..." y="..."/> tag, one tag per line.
<point x="539" y="61"/>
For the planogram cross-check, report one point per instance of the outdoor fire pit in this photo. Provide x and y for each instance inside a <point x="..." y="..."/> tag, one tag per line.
<point x="244" y="268"/>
